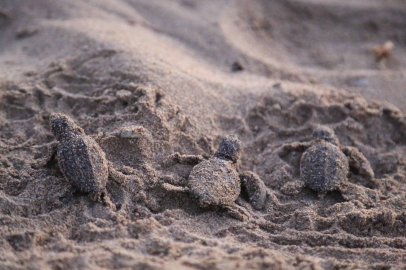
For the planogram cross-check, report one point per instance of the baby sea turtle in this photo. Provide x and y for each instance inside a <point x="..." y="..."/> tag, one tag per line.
<point x="216" y="182"/>
<point x="324" y="165"/>
<point x="80" y="158"/>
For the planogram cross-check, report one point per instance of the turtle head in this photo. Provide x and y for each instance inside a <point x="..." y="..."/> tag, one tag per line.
<point x="229" y="149"/>
<point x="325" y="133"/>
<point x="62" y="126"/>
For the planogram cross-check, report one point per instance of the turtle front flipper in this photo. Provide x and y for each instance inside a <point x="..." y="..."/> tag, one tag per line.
<point x="255" y="189"/>
<point x="102" y="197"/>
<point x="177" y="158"/>
<point x="295" y="146"/>
<point x="51" y="155"/>
<point x="237" y="212"/>
<point x="97" y="137"/>
<point x="358" y="161"/>
<point x="173" y="188"/>
<point x="353" y="192"/>
<point x="117" y="176"/>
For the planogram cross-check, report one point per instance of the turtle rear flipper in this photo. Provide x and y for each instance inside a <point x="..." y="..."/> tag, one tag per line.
<point x="358" y="161"/>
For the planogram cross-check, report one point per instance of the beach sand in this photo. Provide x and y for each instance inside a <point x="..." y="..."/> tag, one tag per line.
<point x="183" y="74"/>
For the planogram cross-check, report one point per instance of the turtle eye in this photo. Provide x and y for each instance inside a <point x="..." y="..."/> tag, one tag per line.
<point x="60" y="125"/>
<point x="64" y="124"/>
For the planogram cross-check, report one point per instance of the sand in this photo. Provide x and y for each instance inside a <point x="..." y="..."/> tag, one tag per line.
<point x="183" y="74"/>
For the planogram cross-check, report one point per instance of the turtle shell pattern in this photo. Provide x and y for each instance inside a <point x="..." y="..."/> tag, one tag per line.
<point x="214" y="182"/>
<point x="323" y="167"/>
<point x="83" y="162"/>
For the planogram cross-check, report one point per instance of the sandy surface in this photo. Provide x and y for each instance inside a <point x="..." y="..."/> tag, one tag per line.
<point x="172" y="70"/>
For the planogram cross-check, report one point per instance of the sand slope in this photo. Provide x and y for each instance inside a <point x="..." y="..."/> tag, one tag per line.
<point x="166" y="68"/>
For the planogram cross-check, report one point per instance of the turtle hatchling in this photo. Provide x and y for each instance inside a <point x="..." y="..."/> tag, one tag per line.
<point x="216" y="182"/>
<point x="80" y="158"/>
<point x="324" y="165"/>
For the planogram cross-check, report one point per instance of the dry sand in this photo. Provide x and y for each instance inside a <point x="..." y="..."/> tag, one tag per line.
<point x="166" y="67"/>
